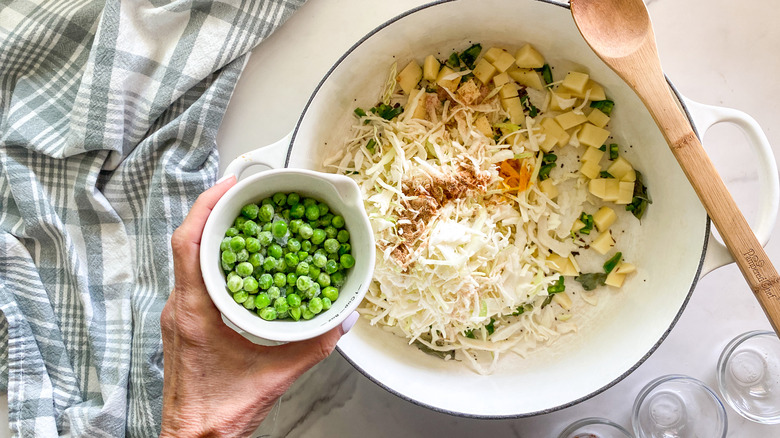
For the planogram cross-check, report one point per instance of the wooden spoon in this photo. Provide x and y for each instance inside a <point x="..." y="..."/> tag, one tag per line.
<point x="620" y="33"/>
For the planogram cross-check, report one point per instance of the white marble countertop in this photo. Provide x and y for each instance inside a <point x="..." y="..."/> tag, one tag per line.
<point x="720" y="52"/>
<point x="714" y="51"/>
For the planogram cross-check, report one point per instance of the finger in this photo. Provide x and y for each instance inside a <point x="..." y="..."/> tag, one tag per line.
<point x="185" y="241"/>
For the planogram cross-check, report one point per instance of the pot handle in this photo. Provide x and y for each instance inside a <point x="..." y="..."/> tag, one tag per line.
<point x="273" y="155"/>
<point x="704" y="117"/>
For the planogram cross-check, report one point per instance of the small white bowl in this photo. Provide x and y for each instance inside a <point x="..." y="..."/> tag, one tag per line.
<point x="343" y="197"/>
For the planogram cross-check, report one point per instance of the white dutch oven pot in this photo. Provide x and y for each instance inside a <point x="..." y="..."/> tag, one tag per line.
<point x="673" y="246"/>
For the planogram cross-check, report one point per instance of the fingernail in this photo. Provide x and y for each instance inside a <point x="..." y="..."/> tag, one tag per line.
<point x="225" y="178"/>
<point x="349" y="322"/>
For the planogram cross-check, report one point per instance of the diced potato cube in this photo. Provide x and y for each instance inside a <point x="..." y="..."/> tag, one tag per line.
<point x="577" y="225"/>
<point x="556" y="262"/>
<point x="598" y="187"/>
<point x="630" y="176"/>
<point x="575" y="81"/>
<point x="591" y="169"/>
<point x="592" y="154"/>
<point x="563" y="299"/>
<point x="598" y="118"/>
<point x="450" y="84"/>
<point x="596" y="92"/>
<point x="409" y="77"/>
<point x="625" y="268"/>
<point x="548" y="143"/>
<point x="509" y="90"/>
<point x="620" y="168"/>
<point x="570" y="119"/>
<point x="431" y="68"/>
<point x="561" y="101"/>
<point x="612" y="189"/>
<point x="500" y="79"/>
<point x="515" y="109"/>
<point x="504" y="61"/>
<point x="528" y="57"/>
<point x="604" y="218"/>
<point x="551" y="127"/>
<point x="529" y="78"/>
<point x="625" y="192"/>
<point x="603" y="242"/>
<point x="416" y="104"/>
<point x="548" y="188"/>
<point x="483" y="71"/>
<point x="592" y="135"/>
<point x="614" y="279"/>
<point x="492" y="54"/>
<point x="483" y="125"/>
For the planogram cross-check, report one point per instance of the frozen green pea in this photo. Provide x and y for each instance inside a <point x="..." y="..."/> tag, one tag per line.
<point x="302" y="268"/>
<point x="291" y="259"/>
<point x="228" y="257"/>
<point x="275" y="251"/>
<point x="337" y="279"/>
<point x="295" y="225"/>
<point x="237" y="243"/>
<point x="324" y="209"/>
<point x="250" y="211"/>
<point x="280" y="266"/>
<point x="225" y="244"/>
<point x="338" y="221"/>
<point x="306" y="246"/>
<point x="235" y="283"/>
<point x="314" y="291"/>
<point x="262" y="300"/>
<point x="331" y="245"/>
<point x="315" y="305"/>
<point x="331" y="232"/>
<point x="347" y="261"/>
<point x="274" y="293"/>
<point x="293" y="198"/>
<point x="286" y="215"/>
<point x="267" y="226"/>
<point x="255" y="259"/>
<point x="314" y="271"/>
<point x="250" y="284"/>
<point x="294" y="300"/>
<point x="279" y="229"/>
<point x="302" y="255"/>
<point x="280" y="280"/>
<point x="326" y="303"/>
<point x="345" y="248"/>
<point x="281" y="306"/>
<point x="306" y="231"/>
<point x="343" y="236"/>
<point x="312" y="213"/>
<point x="266" y="213"/>
<point x="250" y="303"/>
<point x="333" y="256"/>
<point x="323" y="279"/>
<point x="320" y="260"/>
<point x="295" y="313"/>
<point x="239" y="222"/>
<point x="293" y="245"/>
<point x="297" y="211"/>
<point x="304" y="282"/>
<point x="226" y="267"/>
<point x="309" y="201"/>
<point x="267" y="313"/>
<point x="269" y="263"/>
<point x="280" y="199"/>
<point x="265" y="238"/>
<point x="318" y="236"/>
<point x="331" y="266"/>
<point x="266" y="201"/>
<point x="292" y="277"/>
<point x="306" y="313"/>
<point x="244" y="269"/>
<point x="250" y="228"/>
<point x="232" y="231"/>
<point x="253" y="244"/>
<point x="330" y="293"/>
<point x="282" y="315"/>
<point x="265" y="281"/>
<point x="325" y="220"/>
<point x="240" y="296"/>
<point x="242" y="256"/>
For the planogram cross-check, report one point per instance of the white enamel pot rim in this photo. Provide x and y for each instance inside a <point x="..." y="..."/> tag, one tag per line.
<point x="444" y="387"/>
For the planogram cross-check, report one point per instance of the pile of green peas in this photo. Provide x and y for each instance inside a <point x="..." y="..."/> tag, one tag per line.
<point x="286" y="257"/>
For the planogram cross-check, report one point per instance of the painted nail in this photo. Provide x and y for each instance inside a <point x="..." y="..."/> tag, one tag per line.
<point x="225" y="178"/>
<point x="349" y="322"/>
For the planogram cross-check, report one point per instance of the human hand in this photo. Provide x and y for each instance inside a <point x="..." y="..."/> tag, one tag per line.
<point x="216" y="382"/>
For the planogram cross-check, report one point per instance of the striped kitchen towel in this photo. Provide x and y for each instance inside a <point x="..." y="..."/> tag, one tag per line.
<point x="108" y="116"/>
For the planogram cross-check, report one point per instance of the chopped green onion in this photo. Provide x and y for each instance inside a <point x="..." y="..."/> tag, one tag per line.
<point x="387" y="112"/>
<point x="592" y="281"/>
<point x="469" y="56"/>
<point x="641" y="199"/>
<point x="469" y="334"/>
<point x="360" y="112"/>
<point x="532" y="110"/>
<point x="613" y="151"/>
<point x="605" y="106"/>
<point x="453" y="61"/>
<point x="587" y="219"/>
<point x="611" y="263"/>
<point x="546" y="73"/>
<point x="490" y="328"/>
<point x="605" y="174"/>
<point x="371" y="146"/>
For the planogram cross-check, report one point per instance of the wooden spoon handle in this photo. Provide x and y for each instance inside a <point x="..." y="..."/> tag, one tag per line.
<point x="728" y="219"/>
